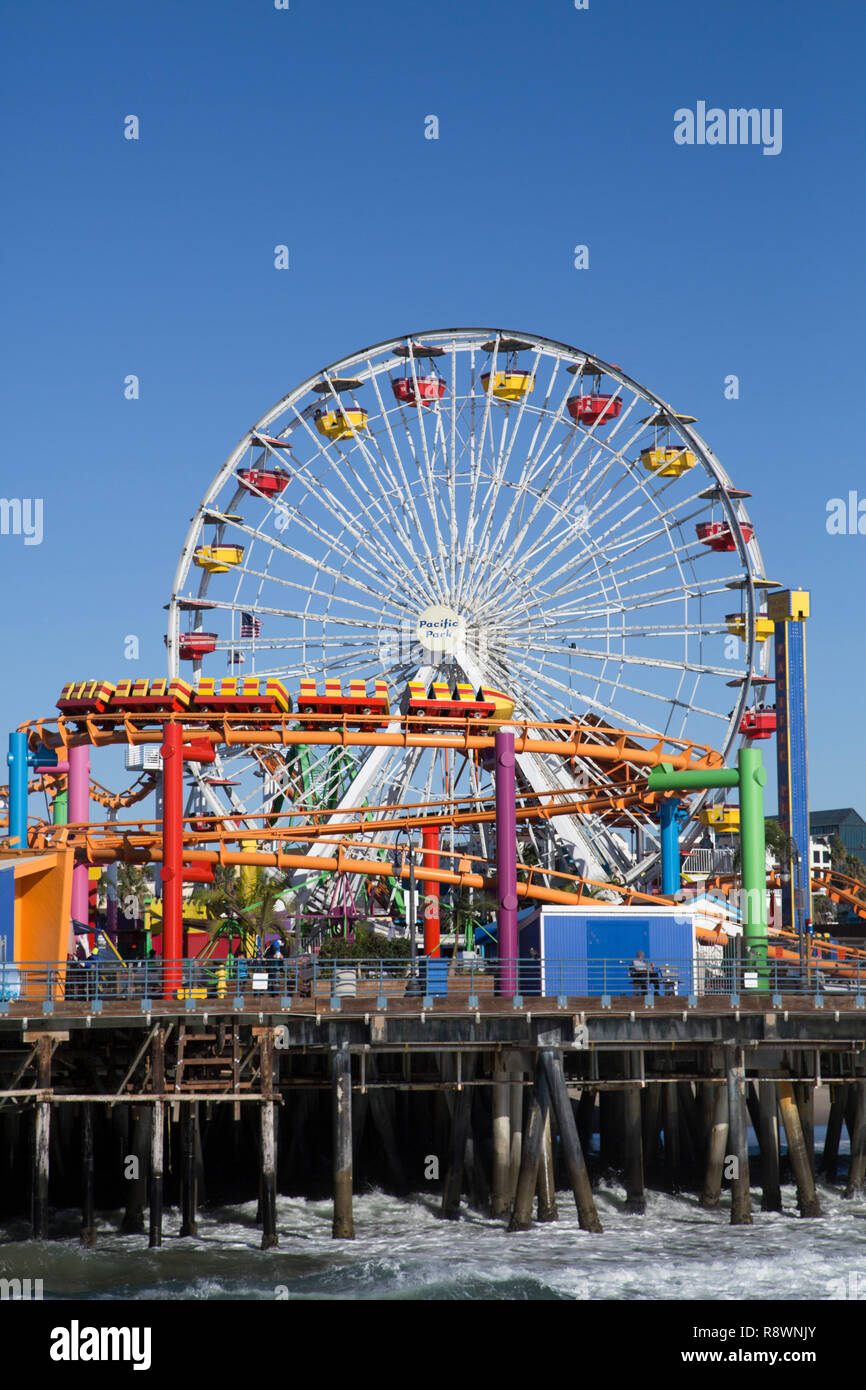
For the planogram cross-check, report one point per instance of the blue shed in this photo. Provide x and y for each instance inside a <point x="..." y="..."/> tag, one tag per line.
<point x="589" y="951"/>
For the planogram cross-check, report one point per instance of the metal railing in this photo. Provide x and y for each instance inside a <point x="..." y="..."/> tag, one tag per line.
<point x="241" y="981"/>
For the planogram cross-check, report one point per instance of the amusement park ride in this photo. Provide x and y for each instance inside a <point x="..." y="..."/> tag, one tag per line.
<point x="433" y="555"/>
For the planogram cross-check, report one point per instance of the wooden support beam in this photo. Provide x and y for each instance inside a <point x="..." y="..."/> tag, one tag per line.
<point x="672" y="1136"/>
<point x="830" y="1155"/>
<point x="268" y="1145"/>
<point x="453" y="1185"/>
<point x="551" y="1060"/>
<point x="718" y="1147"/>
<point x="807" y="1197"/>
<point x="501" y="1196"/>
<point x="635" y="1195"/>
<point x="189" y="1192"/>
<point x="857" y="1169"/>
<point x="530" y="1159"/>
<point x="343" y="1227"/>
<point x="157" y="1136"/>
<point x="88" y="1215"/>
<point x="738" y="1139"/>
<point x="768" y="1138"/>
<point x="135" y="1170"/>
<point x="546" y="1189"/>
<point x="42" y="1139"/>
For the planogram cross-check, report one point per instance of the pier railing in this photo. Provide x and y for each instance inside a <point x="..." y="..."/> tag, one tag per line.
<point x="241" y="982"/>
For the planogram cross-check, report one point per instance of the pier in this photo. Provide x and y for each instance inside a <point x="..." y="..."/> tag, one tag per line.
<point x="483" y="1098"/>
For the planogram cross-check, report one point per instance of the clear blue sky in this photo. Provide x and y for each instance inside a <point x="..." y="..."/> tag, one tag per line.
<point x="306" y="127"/>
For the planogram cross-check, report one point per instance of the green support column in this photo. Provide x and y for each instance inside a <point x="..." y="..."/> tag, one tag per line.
<point x="749" y="778"/>
<point x="753" y="778"/>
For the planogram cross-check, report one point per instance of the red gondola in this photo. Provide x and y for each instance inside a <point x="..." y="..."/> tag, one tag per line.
<point x="192" y="646"/>
<point x="758" y="723"/>
<point x="268" y="481"/>
<point x="594" y="409"/>
<point x="716" y="535"/>
<point x="423" y="390"/>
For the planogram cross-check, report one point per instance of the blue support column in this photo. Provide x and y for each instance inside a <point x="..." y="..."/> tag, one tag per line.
<point x="18" y="775"/>
<point x="670" y="826"/>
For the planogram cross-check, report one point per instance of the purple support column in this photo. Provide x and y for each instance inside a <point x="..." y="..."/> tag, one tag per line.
<point x="79" y="813"/>
<point x="506" y="860"/>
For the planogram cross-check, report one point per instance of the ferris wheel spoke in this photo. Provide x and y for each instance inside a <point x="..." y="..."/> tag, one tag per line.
<point x="325" y="497"/>
<point x="628" y="659"/>
<point x="434" y="586"/>
<point x="660" y="698"/>
<point x="499" y="465"/>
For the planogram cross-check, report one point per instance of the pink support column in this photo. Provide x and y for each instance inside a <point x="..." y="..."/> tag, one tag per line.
<point x="506" y="860"/>
<point x="78" y="812"/>
<point x="430" y="893"/>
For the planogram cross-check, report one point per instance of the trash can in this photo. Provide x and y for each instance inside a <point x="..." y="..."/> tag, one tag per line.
<point x="346" y="983"/>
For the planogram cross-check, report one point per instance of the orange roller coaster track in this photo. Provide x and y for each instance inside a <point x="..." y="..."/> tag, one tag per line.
<point x="564" y="740"/>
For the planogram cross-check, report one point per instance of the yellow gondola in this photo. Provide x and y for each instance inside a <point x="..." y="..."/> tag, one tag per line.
<point x="340" y="424"/>
<point x="669" y="461"/>
<point x="508" y="386"/>
<point x="216" y="559"/>
<point x="736" y="624"/>
<point x="724" y="819"/>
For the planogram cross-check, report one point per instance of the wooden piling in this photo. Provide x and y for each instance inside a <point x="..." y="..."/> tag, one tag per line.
<point x="501" y="1195"/>
<point x="268" y="1144"/>
<point x="42" y="1139"/>
<point x="768" y="1139"/>
<point x="717" y="1149"/>
<point x="651" y="1111"/>
<point x="343" y="1227"/>
<point x="857" y="1168"/>
<point x="829" y="1165"/>
<point x="807" y="1197"/>
<point x="136" y="1183"/>
<point x="551" y="1060"/>
<point x="672" y="1136"/>
<point x="189" y="1194"/>
<point x="88" y="1215"/>
<point x="804" y="1093"/>
<point x="382" y="1112"/>
<point x="738" y="1139"/>
<point x="452" y="1187"/>
<point x="157" y="1137"/>
<point x="635" y="1196"/>
<point x="546" y="1187"/>
<point x="533" y="1143"/>
<point x="516" y="1107"/>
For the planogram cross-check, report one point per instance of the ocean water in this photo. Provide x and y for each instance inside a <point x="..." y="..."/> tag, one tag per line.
<point x="403" y="1250"/>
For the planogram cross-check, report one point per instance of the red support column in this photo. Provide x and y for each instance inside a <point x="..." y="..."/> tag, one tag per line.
<point x="172" y="858"/>
<point x="430" y="893"/>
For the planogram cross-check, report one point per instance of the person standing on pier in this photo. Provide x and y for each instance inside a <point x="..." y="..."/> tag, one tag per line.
<point x="639" y="971"/>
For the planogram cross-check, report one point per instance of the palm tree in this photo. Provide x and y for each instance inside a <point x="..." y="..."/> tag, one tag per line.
<point x="247" y="911"/>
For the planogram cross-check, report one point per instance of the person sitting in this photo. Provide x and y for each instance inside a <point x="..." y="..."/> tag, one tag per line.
<point x="639" y="972"/>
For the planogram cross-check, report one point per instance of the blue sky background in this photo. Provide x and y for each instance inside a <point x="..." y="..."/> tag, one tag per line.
<point x="306" y="127"/>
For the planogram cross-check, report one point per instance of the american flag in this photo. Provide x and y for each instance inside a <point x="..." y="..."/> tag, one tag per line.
<point x="250" y="626"/>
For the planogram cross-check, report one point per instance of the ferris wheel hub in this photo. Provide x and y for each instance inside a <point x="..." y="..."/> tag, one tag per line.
<point x="440" y="630"/>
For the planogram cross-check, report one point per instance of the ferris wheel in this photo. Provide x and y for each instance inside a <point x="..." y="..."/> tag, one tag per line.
<point x="481" y="506"/>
